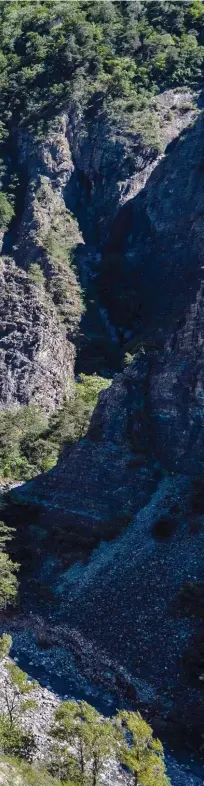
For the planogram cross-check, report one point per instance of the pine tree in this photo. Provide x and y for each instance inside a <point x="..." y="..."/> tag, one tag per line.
<point x="8" y="569"/>
<point x="140" y="752"/>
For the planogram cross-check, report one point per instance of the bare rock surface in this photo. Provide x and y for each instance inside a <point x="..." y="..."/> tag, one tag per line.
<point x="36" y="360"/>
<point x="136" y="468"/>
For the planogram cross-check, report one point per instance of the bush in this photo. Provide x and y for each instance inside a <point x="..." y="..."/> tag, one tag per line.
<point x="115" y="57"/>
<point x="36" y="274"/>
<point x="30" y="442"/>
<point x="6" y="212"/>
<point x="8" y="570"/>
<point x="16" y="741"/>
<point x="140" y="752"/>
<point x="5" y="645"/>
<point x="95" y="740"/>
<point x="14" y="769"/>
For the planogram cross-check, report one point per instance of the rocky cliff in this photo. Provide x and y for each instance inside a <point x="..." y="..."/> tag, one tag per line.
<point x="138" y="467"/>
<point x="36" y="360"/>
<point x="75" y="176"/>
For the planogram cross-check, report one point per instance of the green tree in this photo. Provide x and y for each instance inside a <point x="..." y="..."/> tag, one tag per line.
<point x="72" y="421"/>
<point x="16" y="690"/>
<point x="30" y="442"/>
<point x="14" y="740"/>
<point x="6" y="211"/>
<point x="8" y="569"/>
<point x="5" y="645"/>
<point x="21" y="772"/>
<point x="16" y="701"/>
<point x="140" y="752"/>
<point x="93" y="738"/>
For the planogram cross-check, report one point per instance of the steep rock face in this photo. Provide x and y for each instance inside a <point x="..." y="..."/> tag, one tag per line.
<point x="161" y="234"/>
<point x="158" y="400"/>
<point x="48" y="232"/>
<point x="88" y="165"/>
<point x="36" y="360"/>
<point x="114" y="157"/>
<point x="137" y="466"/>
<point x="177" y="395"/>
<point x="41" y="302"/>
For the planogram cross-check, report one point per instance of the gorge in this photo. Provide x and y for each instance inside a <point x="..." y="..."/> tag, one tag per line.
<point x="102" y="279"/>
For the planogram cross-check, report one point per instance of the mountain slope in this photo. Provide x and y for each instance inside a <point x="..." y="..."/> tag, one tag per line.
<point x="136" y="469"/>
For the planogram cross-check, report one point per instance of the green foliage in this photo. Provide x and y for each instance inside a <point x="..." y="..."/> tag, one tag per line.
<point x="55" y="53"/>
<point x="30" y="775"/>
<point x="16" y="701"/>
<point x="8" y="570"/>
<point x="6" y="211"/>
<point x="5" y="645"/>
<point x="22" y="453"/>
<point x="127" y="737"/>
<point x="30" y="442"/>
<point x="36" y="274"/>
<point x="16" y="690"/>
<point x="140" y="752"/>
<point x="93" y="738"/>
<point x="77" y="415"/>
<point x="8" y="580"/>
<point x="14" y="740"/>
<point x="83" y="742"/>
<point x="14" y="769"/>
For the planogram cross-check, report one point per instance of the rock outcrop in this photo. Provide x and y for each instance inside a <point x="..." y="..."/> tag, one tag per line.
<point x="36" y="359"/>
<point x="136" y="469"/>
<point x="76" y="176"/>
<point x="48" y="232"/>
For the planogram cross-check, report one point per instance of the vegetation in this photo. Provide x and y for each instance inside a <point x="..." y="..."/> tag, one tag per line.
<point x="141" y="753"/>
<point x="6" y="212"/>
<point x="16" y="771"/>
<point x="16" y="690"/>
<point x="15" y="701"/>
<point x="83" y="741"/>
<point x="5" y="645"/>
<point x="16" y="741"/>
<point x="51" y="52"/>
<point x="94" y="739"/>
<point x="36" y="274"/>
<point x="8" y="570"/>
<point x="104" y="57"/>
<point x="30" y="442"/>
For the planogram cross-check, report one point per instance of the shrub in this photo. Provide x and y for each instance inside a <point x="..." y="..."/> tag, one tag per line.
<point x="16" y="741"/>
<point x="36" y="274"/>
<point x="5" y="645"/>
<point x="30" y="442"/>
<point x="141" y="753"/>
<point x="94" y="739"/>
<point x="8" y="570"/>
<point x="6" y="212"/>
<point x="16" y="690"/>
<point x="30" y="775"/>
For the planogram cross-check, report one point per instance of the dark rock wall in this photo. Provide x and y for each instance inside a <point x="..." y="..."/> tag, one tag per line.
<point x="136" y="468"/>
<point x="36" y="360"/>
<point x="76" y="176"/>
